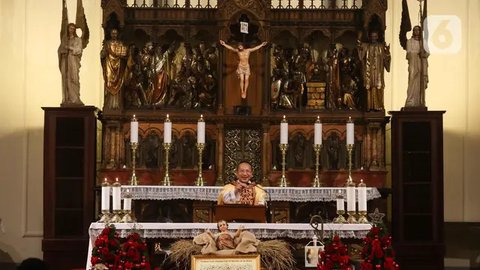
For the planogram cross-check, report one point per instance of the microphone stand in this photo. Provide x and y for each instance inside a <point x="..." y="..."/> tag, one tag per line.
<point x="268" y="211"/>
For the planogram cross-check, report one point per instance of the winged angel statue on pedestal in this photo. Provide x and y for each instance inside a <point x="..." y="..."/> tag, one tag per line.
<point x="70" y="54"/>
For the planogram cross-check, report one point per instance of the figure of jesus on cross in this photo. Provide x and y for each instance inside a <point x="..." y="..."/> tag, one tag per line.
<point x="243" y="69"/>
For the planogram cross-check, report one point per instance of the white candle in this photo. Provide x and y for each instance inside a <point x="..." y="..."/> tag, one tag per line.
<point x="340" y="202"/>
<point x="362" y="196"/>
<point x="350" y="131"/>
<point x="127" y="204"/>
<point x="201" y="130"/>
<point x="351" y="199"/>
<point x="106" y="196"/>
<point x="284" y="131"/>
<point x="317" y="132"/>
<point x="167" y="131"/>
<point x="117" y="201"/>
<point x="134" y="130"/>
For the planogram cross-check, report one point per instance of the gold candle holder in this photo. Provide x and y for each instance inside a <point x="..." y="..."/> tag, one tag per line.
<point x="362" y="217"/>
<point x="349" y="151"/>
<point x="105" y="217"/>
<point x="200" y="147"/>
<point x="316" y="180"/>
<point x="340" y="218"/>
<point x="351" y="217"/>
<point x="117" y="216"/>
<point x="133" y="179"/>
<point x="166" y="178"/>
<point x="283" y="178"/>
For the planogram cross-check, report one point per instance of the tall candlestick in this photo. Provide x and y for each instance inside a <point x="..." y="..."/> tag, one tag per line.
<point x="105" y="216"/>
<point x="362" y="202"/>
<point x="340" y="202"/>
<point x="350" y="131"/>
<point x="127" y="204"/>
<point x="105" y="195"/>
<point x="201" y="130"/>
<point x="134" y="130"/>
<point x="117" y="202"/>
<point x="127" y="207"/>
<point x="116" y="195"/>
<point x="284" y="131"/>
<point x="362" y="196"/>
<point x="340" y="209"/>
<point x="167" y="130"/>
<point x="351" y="202"/>
<point x="317" y="131"/>
<point x="351" y="198"/>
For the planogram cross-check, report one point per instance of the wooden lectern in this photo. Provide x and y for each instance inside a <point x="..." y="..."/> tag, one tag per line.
<point x="241" y="213"/>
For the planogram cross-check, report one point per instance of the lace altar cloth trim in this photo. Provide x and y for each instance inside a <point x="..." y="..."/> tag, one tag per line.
<point x="210" y="193"/>
<point x="261" y="230"/>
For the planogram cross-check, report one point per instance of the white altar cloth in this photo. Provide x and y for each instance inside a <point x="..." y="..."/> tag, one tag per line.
<point x="261" y="230"/>
<point x="210" y="193"/>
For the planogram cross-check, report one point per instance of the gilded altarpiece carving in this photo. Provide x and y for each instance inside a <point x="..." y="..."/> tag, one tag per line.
<point x="310" y="67"/>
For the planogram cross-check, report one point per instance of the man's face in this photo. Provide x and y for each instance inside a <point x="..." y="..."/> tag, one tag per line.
<point x="240" y="47"/>
<point x="244" y="172"/>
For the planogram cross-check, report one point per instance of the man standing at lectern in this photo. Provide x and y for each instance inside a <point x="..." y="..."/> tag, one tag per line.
<point x="243" y="190"/>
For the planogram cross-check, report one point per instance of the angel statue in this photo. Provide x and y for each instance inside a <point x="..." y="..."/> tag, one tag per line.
<point x="70" y="54"/>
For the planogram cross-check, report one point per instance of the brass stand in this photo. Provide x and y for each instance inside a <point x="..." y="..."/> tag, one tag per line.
<point x="362" y="217"/>
<point x="133" y="179"/>
<point x="127" y="216"/>
<point x="316" y="180"/>
<point x="351" y="217"/>
<point x="349" y="150"/>
<point x="200" y="147"/>
<point x="340" y="218"/>
<point x="166" y="178"/>
<point x="283" y="179"/>
<point x="105" y="217"/>
<point x="116" y="216"/>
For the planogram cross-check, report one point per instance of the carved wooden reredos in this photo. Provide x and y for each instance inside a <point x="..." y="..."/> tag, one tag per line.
<point x="172" y="63"/>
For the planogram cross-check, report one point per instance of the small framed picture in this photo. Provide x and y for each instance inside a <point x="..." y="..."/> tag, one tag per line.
<point x="312" y="255"/>
<point x="234" y="262"/>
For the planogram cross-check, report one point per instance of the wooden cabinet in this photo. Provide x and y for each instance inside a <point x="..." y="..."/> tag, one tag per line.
<point x="417" y="186"/>
<point x="69" y="178"/>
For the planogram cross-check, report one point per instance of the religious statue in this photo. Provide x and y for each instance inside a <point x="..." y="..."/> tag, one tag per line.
<point x="243" y="69"/>
<point x="225" y="242"/>
<point x="375" y="57"/>
<point x="113" y="64"/>
<point x="70" y="55"/>
<point x="417" y="69"/>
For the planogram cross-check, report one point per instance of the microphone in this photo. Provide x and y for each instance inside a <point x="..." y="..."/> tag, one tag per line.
<point x="267" y="204"/>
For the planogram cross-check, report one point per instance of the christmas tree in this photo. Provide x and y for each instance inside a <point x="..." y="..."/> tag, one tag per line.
<point x="377" y="253"/>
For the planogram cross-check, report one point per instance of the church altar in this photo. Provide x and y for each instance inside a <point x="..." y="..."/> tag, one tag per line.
<point x="261" y="230"/>
<point x="210" y="193"/>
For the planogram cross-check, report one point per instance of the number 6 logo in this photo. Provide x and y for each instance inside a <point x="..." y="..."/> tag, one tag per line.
<point x="443" y="34"/>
